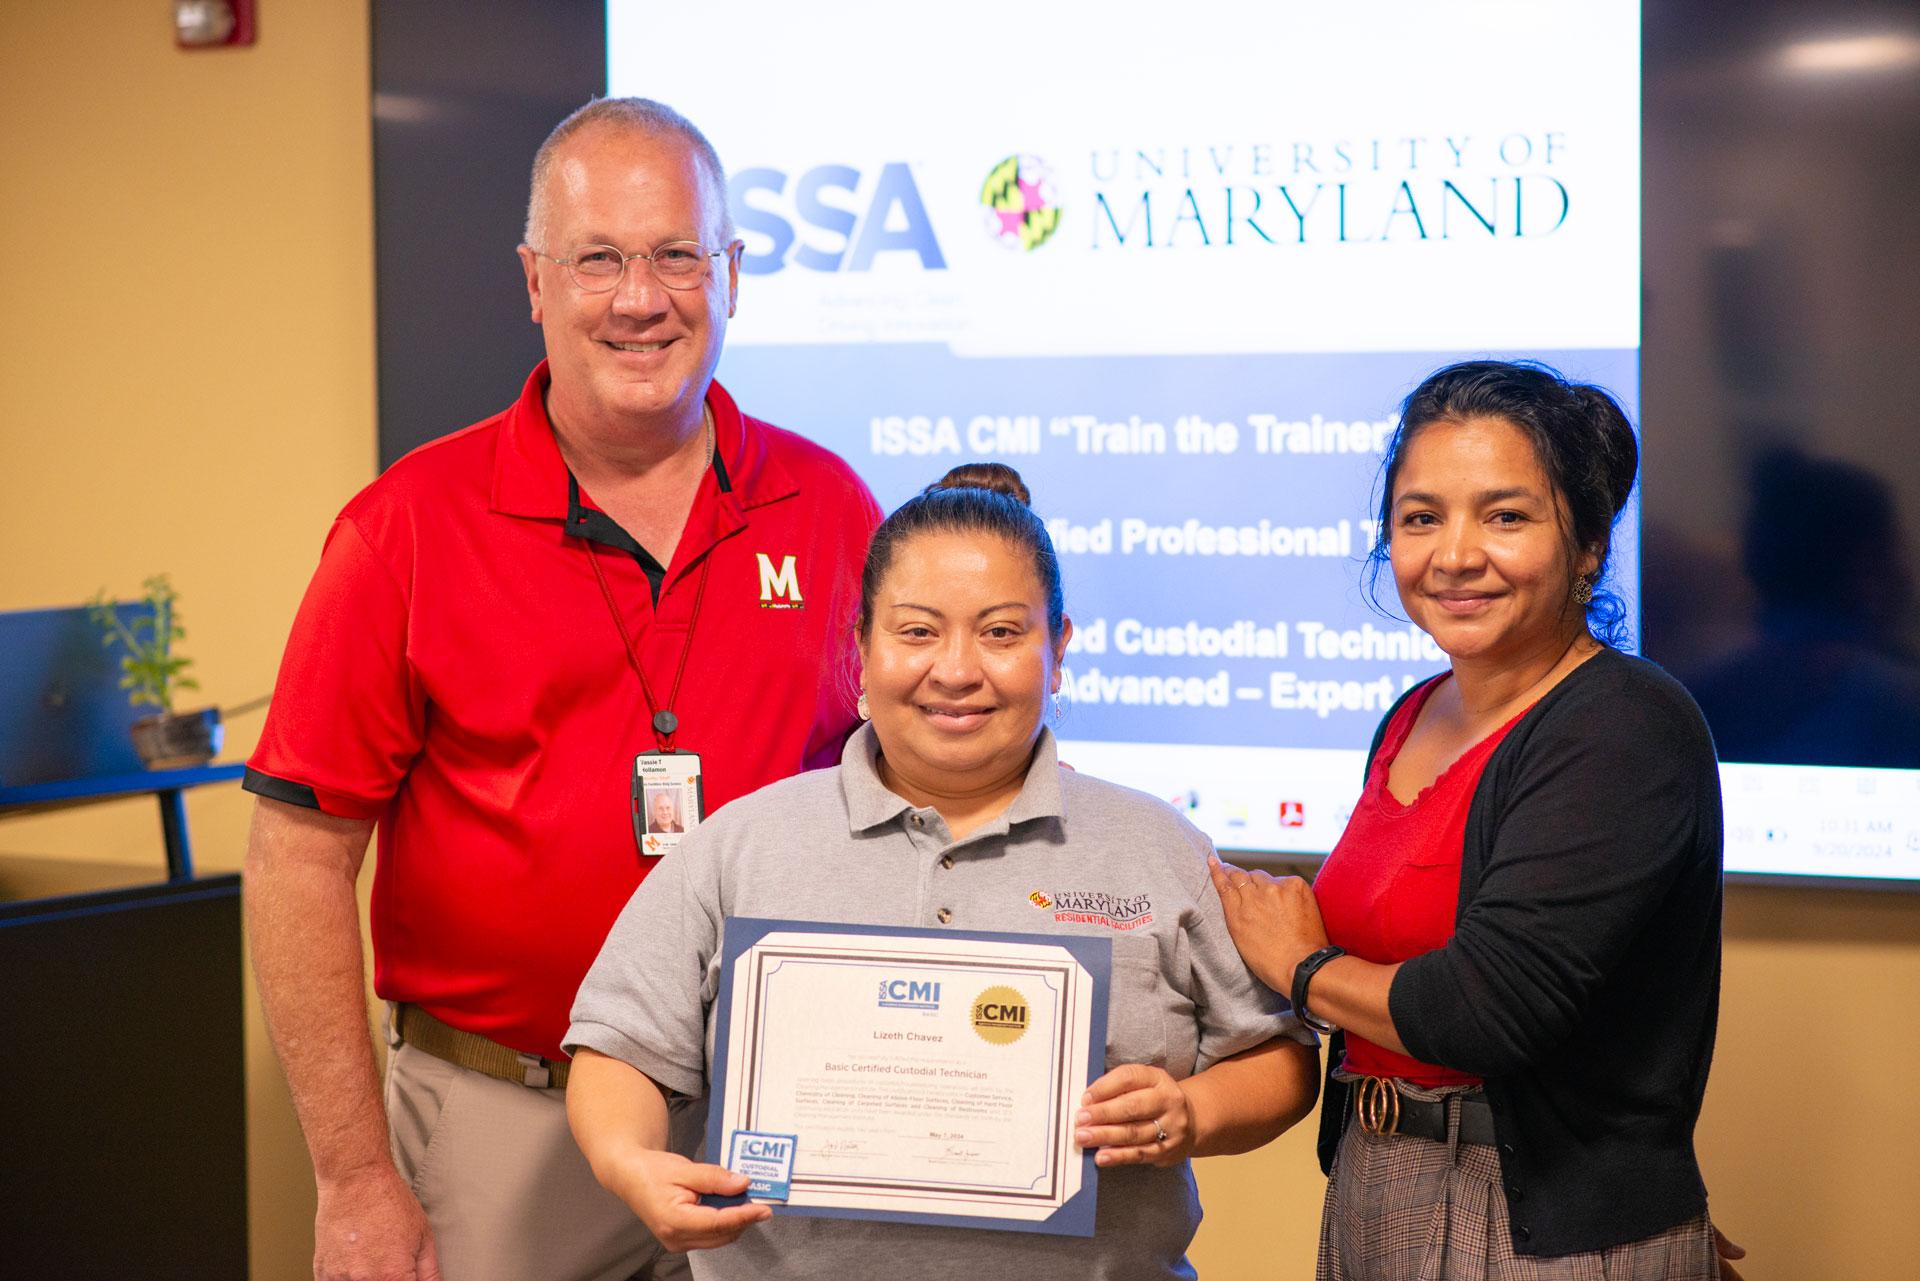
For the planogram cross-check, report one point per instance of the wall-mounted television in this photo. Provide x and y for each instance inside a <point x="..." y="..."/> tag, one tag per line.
<point x="1181" y="273"/>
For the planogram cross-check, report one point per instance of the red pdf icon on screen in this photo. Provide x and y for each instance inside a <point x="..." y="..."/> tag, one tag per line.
<point x="1293" y="814"/>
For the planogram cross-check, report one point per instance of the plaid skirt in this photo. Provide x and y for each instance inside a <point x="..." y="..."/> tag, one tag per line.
<point x="1407" y="1209"/>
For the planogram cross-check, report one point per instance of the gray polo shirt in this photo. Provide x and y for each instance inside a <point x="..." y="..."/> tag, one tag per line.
<point x="1071" y="855"/>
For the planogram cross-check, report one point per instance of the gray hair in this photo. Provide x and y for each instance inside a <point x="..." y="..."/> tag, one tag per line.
<point x="638" y="115"/>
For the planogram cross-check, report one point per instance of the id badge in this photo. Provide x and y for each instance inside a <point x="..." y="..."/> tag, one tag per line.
<point x="667" y="800"/>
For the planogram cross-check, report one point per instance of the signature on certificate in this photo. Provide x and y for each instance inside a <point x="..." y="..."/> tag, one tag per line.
<point x="841" y="1147"/>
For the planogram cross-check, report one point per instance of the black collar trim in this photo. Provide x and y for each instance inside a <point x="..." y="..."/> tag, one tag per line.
<point x="598" y="527"/>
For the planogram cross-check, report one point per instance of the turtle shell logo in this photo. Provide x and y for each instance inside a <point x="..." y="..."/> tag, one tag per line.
<point x="1022" y="211"/>
<point x="1039" y="899"/>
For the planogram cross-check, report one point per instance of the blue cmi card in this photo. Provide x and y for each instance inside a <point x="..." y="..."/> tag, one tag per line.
<point x="766" y="1159"/>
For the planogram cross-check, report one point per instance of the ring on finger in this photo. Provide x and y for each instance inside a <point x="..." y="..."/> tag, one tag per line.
<point x="1159" y="1132"/>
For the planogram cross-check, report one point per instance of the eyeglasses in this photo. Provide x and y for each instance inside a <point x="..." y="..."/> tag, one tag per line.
<point x="678" y="264"/>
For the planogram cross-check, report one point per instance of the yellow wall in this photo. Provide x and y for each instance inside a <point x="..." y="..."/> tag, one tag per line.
<point x="195" y="395"/>
<point x="187" y="347"/>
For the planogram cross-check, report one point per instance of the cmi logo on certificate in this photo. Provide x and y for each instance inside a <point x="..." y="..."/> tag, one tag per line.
<point x="766" y="1160"/>
<point x="1000" y="1015"/>
<point x="667" y="800"/>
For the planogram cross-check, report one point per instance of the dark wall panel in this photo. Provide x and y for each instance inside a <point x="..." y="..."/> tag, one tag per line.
<point x="464" y="91"/>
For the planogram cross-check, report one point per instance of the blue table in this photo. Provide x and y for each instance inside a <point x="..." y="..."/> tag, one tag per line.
<point x="166" y="784"/>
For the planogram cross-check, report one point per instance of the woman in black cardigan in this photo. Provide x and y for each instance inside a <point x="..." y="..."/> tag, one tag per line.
<point x="1529" y="889"/>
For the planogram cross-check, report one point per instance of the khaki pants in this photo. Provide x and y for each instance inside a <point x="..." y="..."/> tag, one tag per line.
<point x="508" y="1193"/>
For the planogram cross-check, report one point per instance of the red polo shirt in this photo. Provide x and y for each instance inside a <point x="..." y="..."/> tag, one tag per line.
<point x="454" y="672"/>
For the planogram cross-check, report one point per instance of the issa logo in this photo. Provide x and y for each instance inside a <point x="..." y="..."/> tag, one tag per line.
<point x="1022" y="208"/>
<point x="832" y="218"/>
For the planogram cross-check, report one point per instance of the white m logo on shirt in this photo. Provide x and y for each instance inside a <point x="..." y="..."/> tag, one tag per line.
<point x="781" y="584"/>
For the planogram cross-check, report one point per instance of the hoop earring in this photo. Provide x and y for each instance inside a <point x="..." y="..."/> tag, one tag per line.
<point x="860" y="707"/>
<point x="1583" y="591"/>
<point x="1056" y="704"/>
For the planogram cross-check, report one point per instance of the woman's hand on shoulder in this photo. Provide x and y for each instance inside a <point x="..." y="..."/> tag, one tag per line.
<point x="1136" y="1115"/>
<point x="664" y="1189"/>
<point x="1274" y="920"/>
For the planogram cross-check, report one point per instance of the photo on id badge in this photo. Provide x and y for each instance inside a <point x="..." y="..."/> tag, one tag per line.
<point x="666" y="799"/>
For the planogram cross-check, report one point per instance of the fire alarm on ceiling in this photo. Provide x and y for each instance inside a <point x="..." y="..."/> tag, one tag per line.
<point x="212" y="24"/>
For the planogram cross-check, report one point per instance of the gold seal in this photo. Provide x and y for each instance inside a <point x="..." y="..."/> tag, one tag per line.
<point x="1000" y="1015"/>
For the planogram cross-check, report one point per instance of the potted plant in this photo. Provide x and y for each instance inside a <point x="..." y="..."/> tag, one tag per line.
<point x="152" y="673"/>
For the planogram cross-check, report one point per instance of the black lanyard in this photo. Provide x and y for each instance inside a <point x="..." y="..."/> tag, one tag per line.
<point x="665" y="723"/>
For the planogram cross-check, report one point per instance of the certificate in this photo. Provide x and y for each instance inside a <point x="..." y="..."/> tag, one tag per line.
<point x="926" y="1076"/>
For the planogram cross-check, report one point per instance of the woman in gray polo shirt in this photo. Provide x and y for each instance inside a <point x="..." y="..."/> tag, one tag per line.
<point x="948" y="809"/>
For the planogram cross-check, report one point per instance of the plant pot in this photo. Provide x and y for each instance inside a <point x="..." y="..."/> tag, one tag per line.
<point x="178" y="740"/>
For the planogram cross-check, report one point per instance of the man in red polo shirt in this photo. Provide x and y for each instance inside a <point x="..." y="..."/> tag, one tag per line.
<point x="515" y="635"/>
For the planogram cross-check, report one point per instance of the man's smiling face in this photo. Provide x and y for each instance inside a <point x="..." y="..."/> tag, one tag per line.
<point x="640" y="353"/>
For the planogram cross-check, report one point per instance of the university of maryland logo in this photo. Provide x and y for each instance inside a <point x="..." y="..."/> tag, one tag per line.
<point x="779" y="585"/>
<point x="1121" y="912"/>
<point x="1021" y="209"/>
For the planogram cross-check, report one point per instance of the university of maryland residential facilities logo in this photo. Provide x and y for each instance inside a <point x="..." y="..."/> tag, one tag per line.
<point x="1095" y="907"/>
<point x="1022" y="209"/>
<point x="779" y="584"/>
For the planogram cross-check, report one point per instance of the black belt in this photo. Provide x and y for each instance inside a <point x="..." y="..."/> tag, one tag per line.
<point x="1380" y="1108"/>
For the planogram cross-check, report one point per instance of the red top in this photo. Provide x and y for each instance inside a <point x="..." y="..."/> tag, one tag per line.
<point x="1391" y="887"/>
<point x="455" y="672"/>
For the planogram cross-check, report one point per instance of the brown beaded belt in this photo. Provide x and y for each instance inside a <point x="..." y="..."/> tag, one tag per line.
<point x="468" y="1050"/>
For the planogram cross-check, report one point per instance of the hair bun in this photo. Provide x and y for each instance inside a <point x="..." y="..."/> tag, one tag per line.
<point x="1618" y="454"/>
<point x="997" y="477"/>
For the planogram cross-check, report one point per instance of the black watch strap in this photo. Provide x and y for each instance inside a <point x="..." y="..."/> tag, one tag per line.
<point x="1302" y="975"/>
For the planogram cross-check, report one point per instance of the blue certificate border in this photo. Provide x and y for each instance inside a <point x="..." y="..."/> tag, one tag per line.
<point x="1095" y="955"/>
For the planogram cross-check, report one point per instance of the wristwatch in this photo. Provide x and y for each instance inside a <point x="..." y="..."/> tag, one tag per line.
<point x="1302" y="975"/>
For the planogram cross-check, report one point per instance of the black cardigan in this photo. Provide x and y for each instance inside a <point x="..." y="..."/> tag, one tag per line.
<point x="1583" y="978"/>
